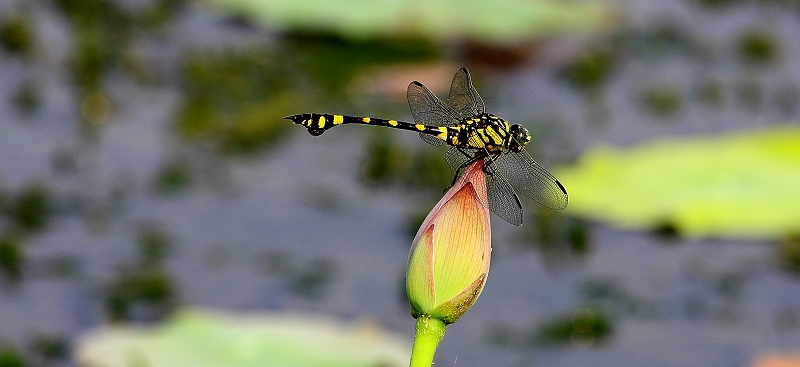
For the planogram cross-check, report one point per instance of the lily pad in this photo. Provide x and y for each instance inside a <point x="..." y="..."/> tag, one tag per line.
<point x="741" y="185"/>
<point x="491" y="21"/>
<point x="203" y="338"/>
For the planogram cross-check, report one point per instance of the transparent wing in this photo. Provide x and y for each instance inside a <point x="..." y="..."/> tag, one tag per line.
<point x="530" y="179"/>
<point x="429" y="110"/>
<point x="455" y="159"/>
<point x="502" y="199"/>
<point x="464" y="99"/>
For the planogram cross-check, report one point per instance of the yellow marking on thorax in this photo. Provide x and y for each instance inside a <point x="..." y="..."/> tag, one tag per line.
<point x="393" y="122"/>
<point x="496" y="138"/>
<point x="366" y="120"/>
<point x="419" y="127"/>
<point x="338" y="119"/>
<point x="503" y="132"/>
<point x="321" y="122"/>
<point x="476" y="142"/>
<point x="482" y="135"/>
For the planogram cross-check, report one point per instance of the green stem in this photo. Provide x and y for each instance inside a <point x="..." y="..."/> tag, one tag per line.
<point x="429" y="332"/>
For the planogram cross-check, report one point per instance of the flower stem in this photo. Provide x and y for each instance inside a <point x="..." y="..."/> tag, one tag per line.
<point x="429" y="332"/>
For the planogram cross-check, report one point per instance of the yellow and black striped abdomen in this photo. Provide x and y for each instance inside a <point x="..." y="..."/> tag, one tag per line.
<point x="318" y="123"/>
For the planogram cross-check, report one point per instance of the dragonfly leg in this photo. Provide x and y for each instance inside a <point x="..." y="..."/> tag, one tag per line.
<point x="488" y="162"/>
<point x="472" y="159"/>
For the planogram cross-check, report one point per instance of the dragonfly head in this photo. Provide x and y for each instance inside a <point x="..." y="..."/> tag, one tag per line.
<point x="520" y="137"/>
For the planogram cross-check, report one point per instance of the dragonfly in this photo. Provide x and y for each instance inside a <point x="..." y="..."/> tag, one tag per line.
<point x="473" y="135"/>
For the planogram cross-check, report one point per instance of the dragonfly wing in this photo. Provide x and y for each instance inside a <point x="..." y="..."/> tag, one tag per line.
<point x="464" y="99"/>
<point x="429" y="110"/>
<point x="502" y="199"/>
<point x="456" y="160"/>
<point x="531" y="179"/>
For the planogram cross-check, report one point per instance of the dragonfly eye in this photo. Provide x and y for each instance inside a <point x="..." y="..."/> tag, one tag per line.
<point x="520" y="138"/>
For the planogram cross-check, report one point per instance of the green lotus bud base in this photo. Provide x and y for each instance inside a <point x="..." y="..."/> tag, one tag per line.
<point x="429" y="333"/>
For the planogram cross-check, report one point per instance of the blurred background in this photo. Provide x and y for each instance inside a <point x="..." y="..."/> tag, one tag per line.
<point x="145" y="168"/>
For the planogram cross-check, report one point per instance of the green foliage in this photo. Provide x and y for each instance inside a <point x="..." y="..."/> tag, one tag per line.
<point x="332" y="62"/>
<point x="155" y="245"/>
<point x="102" y="31"/>
<point x="32" y="207"/>
<point x="789" y="253"/>
<point x="11" y="356"/>
<point x="144" y="289"/>
<point x="584" y="327"/>
<point x="235" y="100"/>
<point x="312" y="280"/>
<point x="202" y="338"/>
<point x="309" y="280"/>
<point x="383" y="159"/>
<point x="559" y="238"/>
<point x="27" y="98"/>
<point x="51" y="348"/>
<point x="160" y="12"/>
<point x="491" y="22"/>
<point x="136" y="290"/>
<point x="12" y="258"/>
<point x="173" y="178"/>
<point x="718" y="4"/>
<point x="589" y="70"/>
<point x="711" y="92"/>
<point x="17" y="35"/>
<point x="662" y="101"/>
<point x="654" y="41"/>
<point x="756" y="47"/>
<point x="741" y="185"/>
<point x="386" y="162"/>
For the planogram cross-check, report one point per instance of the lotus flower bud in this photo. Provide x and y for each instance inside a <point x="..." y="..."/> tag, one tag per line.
<point x="449" y="259"/>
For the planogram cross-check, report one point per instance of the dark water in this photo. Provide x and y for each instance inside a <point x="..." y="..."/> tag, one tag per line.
<point x="138" y="206"/>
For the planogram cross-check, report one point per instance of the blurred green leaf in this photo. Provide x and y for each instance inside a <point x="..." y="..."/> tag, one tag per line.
<point x="789" y="253"/>
<point x="743" y="185"/>
<point x="758" y="47"/>
<point x="50" y="348"/>
<point x="147" y="290"/>
<point x="11" y="356"/>
<point x="589" y="70"/>
<point x="32" y="207"/>
<point x="584" y="326"/>
<point x="173" y="178"/>
<point x="490" y="21"/>
<point x="17" y="34"/>
<point x="200" y="338"/>
<point x="235" y="100"/>
<point x="332" y="62"/>
<point x="662" y="101"/>
<point x="12" y="259"/>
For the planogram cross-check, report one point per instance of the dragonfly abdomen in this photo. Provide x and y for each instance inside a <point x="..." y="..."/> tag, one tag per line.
<point x="318" y="123"/>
